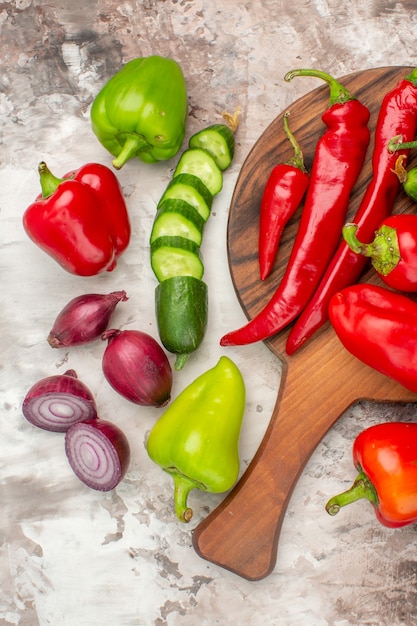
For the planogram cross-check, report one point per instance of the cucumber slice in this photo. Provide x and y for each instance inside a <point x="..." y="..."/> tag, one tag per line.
<point x="219" y="141"/>
<point x="178" y="218"/>
<point x="191" y="189"/>
<point x="181" y="305"/>
<point x="176" y="256"/>
<point x="200" y="163"/>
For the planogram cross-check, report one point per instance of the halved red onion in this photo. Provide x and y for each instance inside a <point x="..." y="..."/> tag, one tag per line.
<point x="56" y="402"/>
<point x="98" y="452"/>
<point x="136" y="366"/>
<point x="84" y="319"/>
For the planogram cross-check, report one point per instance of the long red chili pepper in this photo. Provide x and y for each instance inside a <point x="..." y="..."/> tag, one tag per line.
<point x="338" y="160"/>
<point x="397" y="117"/>
<point x="283" y="193"/>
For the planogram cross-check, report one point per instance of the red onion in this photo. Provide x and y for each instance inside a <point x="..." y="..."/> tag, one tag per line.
<point x="98" y="453"/>
<point x="136" y="366"/>
<point x="56" y="402"/>
<point x="84" y="319"/>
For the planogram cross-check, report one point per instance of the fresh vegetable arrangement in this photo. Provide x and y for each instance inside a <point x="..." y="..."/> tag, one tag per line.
<point x="338" y="161"/>
<point x="283" y="193"/>
<point x="397" y="117"/>
<point x="181" y="296"/>
<point x="80" y="220"/>
<point x="196" y="439"/>
<point x="385" y="457"/>
<point x="142" y="111"/>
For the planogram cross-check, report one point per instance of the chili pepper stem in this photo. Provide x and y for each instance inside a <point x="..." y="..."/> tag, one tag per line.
<point x="361" y="488"/>
<point x="133" y="144"/>
<point x="383" y="250"/>
<point x="182" y="487"/>
<point x="338" y="93"/>
<point x="49" y="182"/>
<point x="298" y="158"/>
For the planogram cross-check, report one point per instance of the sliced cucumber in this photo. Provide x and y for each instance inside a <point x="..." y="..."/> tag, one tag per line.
<point x="176" y="256"/>
<point x="181" y="305"/>
<point x="178" y="218"/>
<point x="219" y="141"/>
<point x="200" y="163"/>
<point x="191" y="189"/>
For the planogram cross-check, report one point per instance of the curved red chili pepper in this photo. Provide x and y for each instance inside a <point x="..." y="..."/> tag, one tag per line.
<point x="397" y="117"/>
<point x="385" y="457"/>
<point x="283" y="193"/>
<point x="337" y="163"/>
<point x="393" y="251"/>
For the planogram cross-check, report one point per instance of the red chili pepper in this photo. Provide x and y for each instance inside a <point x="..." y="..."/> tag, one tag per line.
<point x="379" y="327"/>
<point x="393" y="252"/>
<point x="385" y="456"/>
<point x="80" y="220"/>
<point x="338" y="160"/>
<point x="397" y="117"/>
<point x="283" y="193"/>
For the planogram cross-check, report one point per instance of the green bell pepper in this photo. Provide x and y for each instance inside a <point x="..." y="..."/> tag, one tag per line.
<point x="196" y="438"/>
<point x="142" y="111"/>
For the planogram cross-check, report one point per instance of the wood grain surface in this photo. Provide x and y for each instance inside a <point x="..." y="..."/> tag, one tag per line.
<point x="321" y="380"/>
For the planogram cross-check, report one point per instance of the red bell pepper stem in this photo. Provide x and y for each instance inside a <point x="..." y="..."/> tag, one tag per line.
<point x="383" y="251"/>
<point x="397" y="116"/>
<point x="49" y="182"/>
<point x="338" y="160"/>
<point x="361" y="488"/>
<point x="283" y="193"/>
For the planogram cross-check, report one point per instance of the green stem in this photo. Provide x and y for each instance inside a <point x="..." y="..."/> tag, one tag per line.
<point x="384" y="250"/>
<point x="133" y="144"/>
<point x="298" y="158"/>
<point x="182" y="487"/>
<point x="180" y="361"/>
<point x="396" y="144"/>
<point x="361" y="488"/>
<point x="49" y="182"/>
<point x="412" y="76"/>
<point x="338" y="93"/>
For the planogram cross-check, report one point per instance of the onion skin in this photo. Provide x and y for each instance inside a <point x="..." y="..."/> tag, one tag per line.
<point x="136" y="366"/>
<point x="71" y="399"/>
<point x="98" y="453"/>
<point x="84" y="319"/>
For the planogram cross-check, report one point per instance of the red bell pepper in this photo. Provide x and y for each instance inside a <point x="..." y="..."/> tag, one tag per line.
<point x="283" y="193"/>
<point x="393" y="252"/>
<point x="80" y="220"/>
<point x="379" y="327"/>
<point x="385" y="456"/>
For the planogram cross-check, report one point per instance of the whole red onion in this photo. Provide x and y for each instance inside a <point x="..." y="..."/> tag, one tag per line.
<point x="56" y="402"/>
<point x="84" y="319"/>
<point x="136" y="366"/>
<point x="98" y="452"/>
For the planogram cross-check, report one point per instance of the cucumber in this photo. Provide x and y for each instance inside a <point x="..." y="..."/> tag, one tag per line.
<point x="219" y="141"/>
<point x="177" y="218"/>
<point x="191" y="189"/>
<point x="200" y="163"/>
<point x="176" y="256"/>
<point x="181" y="300"/>
<point x="181" y="305"/>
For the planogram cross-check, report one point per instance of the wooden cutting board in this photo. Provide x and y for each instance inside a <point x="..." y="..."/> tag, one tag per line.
<point x="321" y="380"/>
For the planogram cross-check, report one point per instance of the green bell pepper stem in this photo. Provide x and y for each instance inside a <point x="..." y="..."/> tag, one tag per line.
<point x="384" y="250"/>
<point x="49" y="182"/>
<point x="133" y="145"/>
<point x="338" y="93"/>
<point x="361" y="488"/>
<point x="182" y="487"/>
